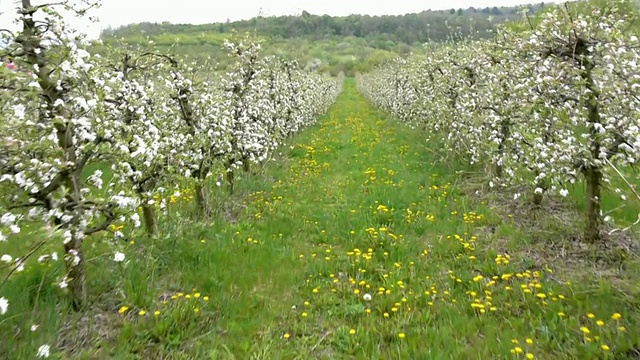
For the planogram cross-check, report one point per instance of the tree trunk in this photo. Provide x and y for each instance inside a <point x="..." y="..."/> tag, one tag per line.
<point x="246" y="166"/>
<point x="537" y="199"/>
<point x="150" y="219"/>
<point x="202" y="201"/>
<point x="593" y="219"/>
<point x="593" y="174"/>
<point x="498" y="171"/>
<point x="77" y="283"/>
<point x="504" y="135"/>
<point x="230" y="180"/>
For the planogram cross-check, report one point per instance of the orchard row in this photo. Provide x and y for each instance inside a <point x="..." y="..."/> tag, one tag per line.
<point x="548" y="105"/>
<point x="89" y="140"/>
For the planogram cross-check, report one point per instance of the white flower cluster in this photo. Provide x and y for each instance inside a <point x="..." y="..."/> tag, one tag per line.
<point x="543" y="106"/>
<point x="86" y="140"/>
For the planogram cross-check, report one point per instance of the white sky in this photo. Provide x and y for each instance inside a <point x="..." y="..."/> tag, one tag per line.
<point x="121" y="12"/>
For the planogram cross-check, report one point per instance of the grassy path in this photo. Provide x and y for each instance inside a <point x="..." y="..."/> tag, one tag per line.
<point x="357" y="246"/>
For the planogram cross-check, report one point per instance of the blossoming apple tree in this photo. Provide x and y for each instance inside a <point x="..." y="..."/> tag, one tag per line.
<point x="547" y="106"/>
<point x="91" y="140"/>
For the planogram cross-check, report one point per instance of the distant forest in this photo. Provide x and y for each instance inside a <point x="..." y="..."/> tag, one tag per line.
<point x="380" y="31"/>
<point x="348" y="44"/>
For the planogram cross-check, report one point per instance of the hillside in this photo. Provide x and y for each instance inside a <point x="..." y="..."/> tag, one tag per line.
<point x="350" y="43"/>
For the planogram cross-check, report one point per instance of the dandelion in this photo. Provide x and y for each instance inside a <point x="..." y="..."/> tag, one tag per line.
<point x="600" y="323"/>
<point x="352" y="331"/>
<point x="156" y="313"/>
<point x="286" y="336"/>
<point x="605" y="347"/>
<point x="142" y="313"/>
<point x="530" y="356"/>
<point x="366" y="297"/>
<point x="123" y="309"/>
<point x="585" y="330"/>
<point x="206" y="298"/>
<point x="304" y="314"/>
<point x="529" y="341"/>
<point x="616" y="316"/>
<point x="591" y="316"/>
<point x="197" y="295"/>
<point x="402" y="335"/>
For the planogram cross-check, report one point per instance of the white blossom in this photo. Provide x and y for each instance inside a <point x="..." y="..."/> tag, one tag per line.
<point x="118" y="257"/>
<point x="4" y="305"/>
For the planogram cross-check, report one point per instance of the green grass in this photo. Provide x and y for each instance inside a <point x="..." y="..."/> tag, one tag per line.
<point x="356" y="206"/>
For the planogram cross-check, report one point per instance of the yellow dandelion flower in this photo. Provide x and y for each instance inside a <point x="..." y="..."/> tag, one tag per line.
<point x="402" y="335"/>
<point x="156" y="313"/>
<point x="600" y="323"/>
<point x="605" y="347"/>
<point x="616" y="316"/>
<point x="206" y="298"/>
<point x="352" y="331"/>
<point x="286" y="336"/>
<point x="590" y="316"/>
<point x="585" y="330"/>
<point x="142" y="313"/>
<point x="123" y="309"/>
<point x="529" y="341"/>
<point x="530" y="356"/>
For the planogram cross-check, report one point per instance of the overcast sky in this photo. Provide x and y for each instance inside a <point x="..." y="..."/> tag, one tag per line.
<point x="122" y="12"/>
